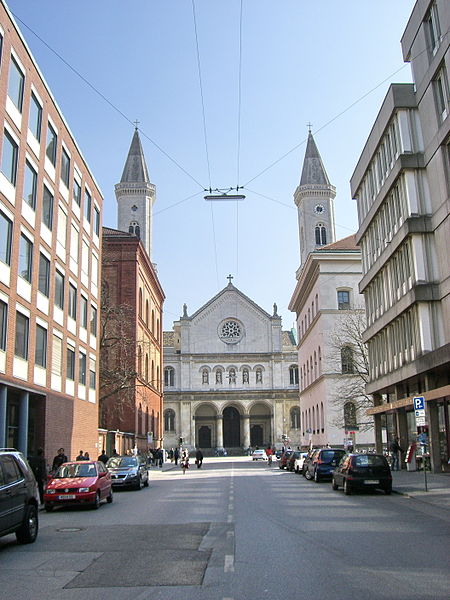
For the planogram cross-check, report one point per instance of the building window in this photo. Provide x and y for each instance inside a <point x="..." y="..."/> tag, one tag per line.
<point x="65" y="168"/>
<point x="25" y="258"/>
<point x="295" y="417"/>
<point x="92" y="374"/>
<point x="40" y="353"/>
<point x="59" y="290"/>
<point x="93" y="321"/>
<point x="321" y="235"/>
<point x="22" y="330"/>
<point x="169" y="420"/>
<point x="70" y="369"/>
<point x="96" y="221"/>
<point x="3" y="324"/>
<point x="5" y="238"/>
<point x="72" y="301"/>
<point x="350" y="416"/>
<point x="30" y="186"/>
<point x="76" y="189"/>
<point x="83" y="312"/>
<point x="16" y="84"/>
<point x="433" y="30"/>
<point x="44" y="275"/>
<point x="205" y="376"/>
<point x="259" y="376"/>
<point x="87" y="205"/>
<point x="140" y="302"/>
<point x="169" y="376"/>
<point x="47" y="208"/>
<point x="82" y="368"/>
<point x="442" y="94"/>
<point x="219" y="376"/>
<point x="293" y="375"/>
<point x="35" y="119"/>
<point x="52" y="140"/>
<point x="9" y="158"/>
<point x="232" y="375"/>
<point x="347" y="360"/>
<point x="343" y="298"/>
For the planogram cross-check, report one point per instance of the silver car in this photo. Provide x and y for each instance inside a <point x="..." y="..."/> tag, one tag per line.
<point x="128" y="471"/>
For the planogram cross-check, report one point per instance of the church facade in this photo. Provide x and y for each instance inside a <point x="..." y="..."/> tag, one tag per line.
<point x="230" y="377"/>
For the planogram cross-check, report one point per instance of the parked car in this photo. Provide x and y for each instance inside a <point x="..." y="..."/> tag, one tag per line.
<point x="78" y="482"/>
<point x="284" y="458"/>
<point x="128" y="471"/>
<point x="322" y="463"/>
<point x="19" y="497"/>
<point x="362" y="471"/>
<point x="298" y="462"/>
<point x="291" y="460"/>
<point x="308" y="459"/>
<point x="259" y="455"/>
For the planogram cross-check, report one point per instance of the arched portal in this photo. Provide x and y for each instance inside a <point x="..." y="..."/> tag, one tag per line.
<point x="231" y="427"/>
<point x="204" y="436"/>
<point x="256" y="435"/>
<point x="205" y="426"/>
<point x="260" y="425"/>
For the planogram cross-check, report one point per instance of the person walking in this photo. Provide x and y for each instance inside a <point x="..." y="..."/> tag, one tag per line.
<point x="198" y="458"/>
<point x="395" y="454"/>
<point x="59" y="459"/>
<point x="269" y="453"/>
<point x="103" y="457"/>
<point x="184" y="461"/>
<point x="38" y="465"/>
<point x="176" y="455"/>
<point x="80" y="456"/>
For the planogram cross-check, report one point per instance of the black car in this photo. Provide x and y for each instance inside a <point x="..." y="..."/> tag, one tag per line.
<point x="128" y="471"/>
<point x="19" y="497"/>
<point x="362" y="471"/>
<point x="322" y="463"/>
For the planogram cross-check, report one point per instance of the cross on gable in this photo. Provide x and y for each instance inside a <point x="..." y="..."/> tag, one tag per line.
<point x="230" y="277"/>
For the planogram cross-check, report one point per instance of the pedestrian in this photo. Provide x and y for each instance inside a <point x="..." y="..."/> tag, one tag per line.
<point x="59" y="459"/>
<point x="269" y="453"/>
<point x="38" y="465"/>
<point x="86" y="456"/>
<point x="395" y="449"/>
<point x="184" y="461"/>
<point x="159" y="457"/>
<point x="80" y="455"/>
<point x="198" y="458"/>
<point x="176" y="455"/>
<point x="114" y="452"/>
<point x="103" y="457"/>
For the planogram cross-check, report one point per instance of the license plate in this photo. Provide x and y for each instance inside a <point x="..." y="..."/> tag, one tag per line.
<point x="371" y="481"/>
<point x="67" y="497"/>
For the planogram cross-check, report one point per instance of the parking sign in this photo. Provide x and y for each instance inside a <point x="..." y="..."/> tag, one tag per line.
<point x="419" y="403"/>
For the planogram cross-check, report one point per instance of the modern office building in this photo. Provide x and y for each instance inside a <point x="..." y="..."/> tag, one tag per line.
<point x="402" y="187"/>
<point x="50" y="221"/>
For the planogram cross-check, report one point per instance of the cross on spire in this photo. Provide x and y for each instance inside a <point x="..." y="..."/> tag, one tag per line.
<point x="230" y="277"/>
<point x="136" y="123"/>
<point x="309" y="125"/>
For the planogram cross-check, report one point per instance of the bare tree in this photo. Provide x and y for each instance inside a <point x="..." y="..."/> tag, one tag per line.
<point x="350" y="357"/>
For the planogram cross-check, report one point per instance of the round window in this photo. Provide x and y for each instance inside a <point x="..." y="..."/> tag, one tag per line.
<point x="230" y="331"/>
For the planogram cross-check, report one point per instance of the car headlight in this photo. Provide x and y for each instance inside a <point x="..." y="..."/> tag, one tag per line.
<point x="85" y="489"/>
<point x="50" y="491"/>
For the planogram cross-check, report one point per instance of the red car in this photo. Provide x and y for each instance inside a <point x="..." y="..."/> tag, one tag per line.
<point x="80" y="482"/>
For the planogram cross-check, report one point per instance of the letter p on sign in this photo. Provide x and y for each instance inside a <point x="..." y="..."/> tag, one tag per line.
<point x="419" y="403"/>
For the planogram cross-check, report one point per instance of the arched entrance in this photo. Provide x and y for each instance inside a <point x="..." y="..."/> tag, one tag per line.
<point x="256" y="435"/>
<point x="231" y="427"/>
<point x="204" y="437"/>
<point x="260" y="425"/>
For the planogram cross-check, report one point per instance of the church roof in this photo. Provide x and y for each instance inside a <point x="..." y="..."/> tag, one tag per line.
<point x="347" y="243"/>
<point x="117" y="233"/>
<point x="135" y="170"/>
<point x="313" y="172"/>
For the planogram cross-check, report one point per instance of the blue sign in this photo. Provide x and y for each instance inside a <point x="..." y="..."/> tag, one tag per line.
<point x="423" y="439"/>
<point x="419" y="403"/>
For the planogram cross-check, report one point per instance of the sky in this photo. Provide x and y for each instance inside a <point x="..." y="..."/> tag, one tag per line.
<point x="232" y="113"/>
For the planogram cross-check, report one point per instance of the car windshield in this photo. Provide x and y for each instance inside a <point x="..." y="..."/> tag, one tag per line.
<point x="121" y="461"/>
<point x="369" y="460"/>
<point x="76" y="470"/>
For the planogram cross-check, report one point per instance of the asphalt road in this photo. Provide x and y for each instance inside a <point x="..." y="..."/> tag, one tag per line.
<point x="234" y="530"/>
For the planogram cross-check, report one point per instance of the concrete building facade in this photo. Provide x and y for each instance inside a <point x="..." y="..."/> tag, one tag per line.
<point x="402" y="187"/>
<point x="50" y="219"/>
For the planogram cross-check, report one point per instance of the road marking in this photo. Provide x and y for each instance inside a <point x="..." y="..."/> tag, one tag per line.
<point x="230" y="519"/>
<point x="229" y="563"/>
<point x="230" y="506"/>
<point x="230" y="534"/>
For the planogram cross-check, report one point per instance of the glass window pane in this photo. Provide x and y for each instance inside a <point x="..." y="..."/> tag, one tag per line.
<point x="25" y="258"/>
<point x="83" y="310"/>
<point x="82" y="367"/>
<point x="30" y="185"/>
<point x="21" y="342"/>
<point x="59" y="290"/>
<point x="65" y="167"/>
<point x="47" y="208"/>
<point x="44" y="275"/>
<point x="9" y="158"/>
<point x="87" y="205"/>
<point x="72" y="301"/>
<point x="15" y="84"/>
<point x="51" y="144"/>
<point x="35" y="120"/>
<point x="70" y="364"/>
<point x="5" y="239"/>
<point x="41" y="346"/>
<point x="3" y="324"/>
<point x="77" y="192"/>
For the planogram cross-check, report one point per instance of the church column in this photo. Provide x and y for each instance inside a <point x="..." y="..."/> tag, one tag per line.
<point x="219" y="431"/>
<point x="246" y="424"/>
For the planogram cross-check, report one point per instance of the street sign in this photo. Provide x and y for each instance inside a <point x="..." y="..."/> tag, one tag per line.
<point x="421" y="421"/>
<point x="420" y="412"/>
<point x="419" y="403"/>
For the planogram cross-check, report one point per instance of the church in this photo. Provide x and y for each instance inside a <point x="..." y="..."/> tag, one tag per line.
<point x="230" y="377"/>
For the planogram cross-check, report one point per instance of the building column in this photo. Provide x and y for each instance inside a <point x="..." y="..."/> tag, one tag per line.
<point x="3" y="405"/>
<point x="402" y="432"/>
<point x="219" y="431"/>
<point x="433" y="436"/>
<point x="23" y="422"/>
<point x="377" y="400"/>
<point x="246" y="424"/>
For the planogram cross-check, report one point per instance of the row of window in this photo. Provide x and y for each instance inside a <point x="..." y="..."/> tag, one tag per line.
<point x="219" y="374"/>
<point x="147" y="371"/>
<point x="396" y="344"/>
<point x="311" y="369"/>
<point x="313" y="419"/>
<point x="391" y="283"/>
<point x="343" y="303"/>
<point x="151" y="322"/>
<point x="42" y="339"/>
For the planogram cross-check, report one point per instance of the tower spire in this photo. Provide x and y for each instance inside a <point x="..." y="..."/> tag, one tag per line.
<point x="135" y="169"/>
<point x="313" y="171"/>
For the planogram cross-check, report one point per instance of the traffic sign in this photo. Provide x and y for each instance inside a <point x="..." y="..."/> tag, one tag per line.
<point x="419" y="403"/>
<point x="420" y="412"/>
<point x="420" y="421"/>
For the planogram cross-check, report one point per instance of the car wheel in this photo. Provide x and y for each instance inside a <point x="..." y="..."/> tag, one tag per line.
<point x="388" y="491"/>
<point x="49" y="507"/>
<point x="146" y="482"/>
<point x="29" y="529"/>
<point x="308" y="475"/>
<point x="96" y="503"/>
<point x="347" y="490"/>
<point x="139" y="484"/>
<point x="109" y="497"/>
<point x="316" y="476"/>
<point x="334" y="485"/>
<point x="297" y="470"/>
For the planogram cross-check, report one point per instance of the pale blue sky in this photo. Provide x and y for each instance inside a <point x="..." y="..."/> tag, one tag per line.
<point x="301" y="61"/>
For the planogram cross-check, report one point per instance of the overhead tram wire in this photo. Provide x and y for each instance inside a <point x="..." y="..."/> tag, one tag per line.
<point x="111" y="104"/>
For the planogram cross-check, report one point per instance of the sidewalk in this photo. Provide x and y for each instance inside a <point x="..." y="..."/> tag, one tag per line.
<point x="412" y="484"/>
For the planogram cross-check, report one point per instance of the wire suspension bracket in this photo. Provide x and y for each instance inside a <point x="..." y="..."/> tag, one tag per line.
<point x="224" y="194"/>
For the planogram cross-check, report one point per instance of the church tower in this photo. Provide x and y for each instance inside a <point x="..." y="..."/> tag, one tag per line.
<point x="135" y="196"/>
<point x="314" y="200"/>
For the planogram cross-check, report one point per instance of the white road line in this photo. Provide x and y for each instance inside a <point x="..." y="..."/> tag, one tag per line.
<point x="229" y="563"/>
<point x="230" y="519"/>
